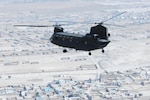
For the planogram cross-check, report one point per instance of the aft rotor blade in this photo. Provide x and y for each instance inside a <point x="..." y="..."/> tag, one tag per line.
<point x="112" y="17"/>
<point x="102" y="22"/>
<point x="114" y="25"/>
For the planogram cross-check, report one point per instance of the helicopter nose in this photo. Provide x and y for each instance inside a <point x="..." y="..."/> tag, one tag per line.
<point x="51" y="40"/>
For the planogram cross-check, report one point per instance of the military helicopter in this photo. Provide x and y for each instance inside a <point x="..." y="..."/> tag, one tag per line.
<point x="96" y="39"/>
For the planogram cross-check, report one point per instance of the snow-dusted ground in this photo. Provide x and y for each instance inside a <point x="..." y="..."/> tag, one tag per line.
<point x="27" y="55"/>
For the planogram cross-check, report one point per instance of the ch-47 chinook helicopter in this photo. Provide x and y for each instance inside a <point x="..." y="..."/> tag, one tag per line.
<point x="96" y="39"/>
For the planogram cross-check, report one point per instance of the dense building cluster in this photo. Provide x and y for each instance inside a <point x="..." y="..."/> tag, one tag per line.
<point x="109" y="86"/>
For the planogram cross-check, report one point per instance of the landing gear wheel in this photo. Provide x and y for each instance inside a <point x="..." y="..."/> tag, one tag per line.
<point x="64" y="51"/>
<point x="108" y="34"/>
<point x="90" y="53"/>
<point x="103" y="51"/>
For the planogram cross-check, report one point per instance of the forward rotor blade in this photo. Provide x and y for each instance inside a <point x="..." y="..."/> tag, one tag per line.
<point x="55" y="25"/>
<point x="33" y="25"/>
<point x="64" y="22"/>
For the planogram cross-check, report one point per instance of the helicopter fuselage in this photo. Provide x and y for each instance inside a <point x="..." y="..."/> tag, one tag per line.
<point x="86" y="42"/>
<point x="97" y="38"/>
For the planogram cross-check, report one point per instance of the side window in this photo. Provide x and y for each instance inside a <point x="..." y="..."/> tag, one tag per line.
<point x="77" y="41"/>
<point x="63" y="38"/>
<point x="85" y="42"/>
<point x="56" y="37"/>
<point x="70" y="39"/>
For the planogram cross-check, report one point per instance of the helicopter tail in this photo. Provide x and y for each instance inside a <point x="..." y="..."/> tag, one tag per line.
<point x="100" y="30"/>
